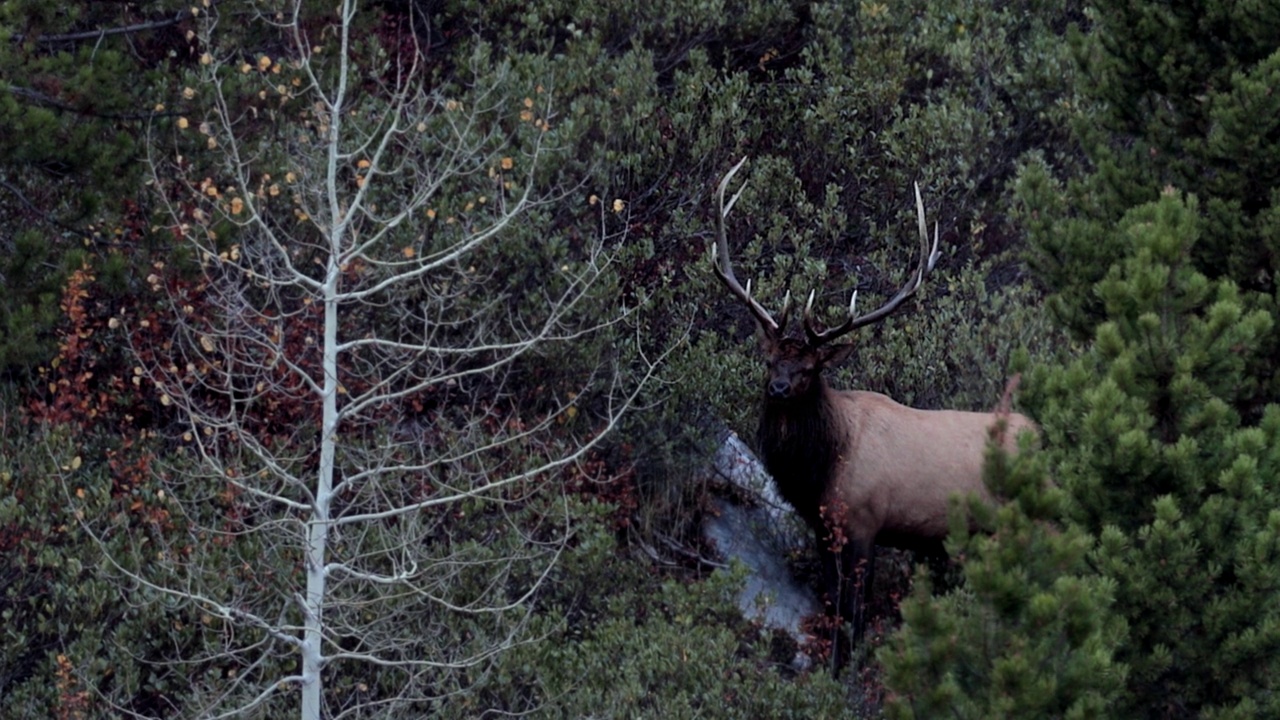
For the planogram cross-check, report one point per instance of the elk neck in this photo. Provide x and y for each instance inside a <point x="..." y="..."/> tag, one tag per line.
<point x="801" y="441"/>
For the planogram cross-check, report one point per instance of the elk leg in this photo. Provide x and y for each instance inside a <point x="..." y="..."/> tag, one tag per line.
<point x="857" y="560"/>
<point x="833" y="581"/>
<point x="848" y="572"/>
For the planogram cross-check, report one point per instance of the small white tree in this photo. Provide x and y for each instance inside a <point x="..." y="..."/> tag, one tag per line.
<point x="346" y="362"/>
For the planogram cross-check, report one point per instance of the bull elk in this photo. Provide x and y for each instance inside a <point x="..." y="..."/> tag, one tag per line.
<point x="858" y="467"/>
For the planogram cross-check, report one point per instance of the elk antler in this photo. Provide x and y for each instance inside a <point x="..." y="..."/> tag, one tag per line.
<point x="928" y="257"/>
<point x="724" y="269"/>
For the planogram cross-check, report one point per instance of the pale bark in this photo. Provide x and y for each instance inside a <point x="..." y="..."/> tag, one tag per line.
<point x="318" y="237"/>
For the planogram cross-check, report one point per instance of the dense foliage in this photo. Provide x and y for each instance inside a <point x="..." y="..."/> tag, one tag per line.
<point x="1162" y="259"/>
<point x="1104" y="180"/>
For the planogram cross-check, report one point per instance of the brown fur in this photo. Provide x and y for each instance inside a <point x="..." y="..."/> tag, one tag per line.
<point x="858" y="467"/>
<point x="862" y="469"/>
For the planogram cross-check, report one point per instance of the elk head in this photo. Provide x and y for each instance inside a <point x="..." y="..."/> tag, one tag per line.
<point x="795" y="365"/>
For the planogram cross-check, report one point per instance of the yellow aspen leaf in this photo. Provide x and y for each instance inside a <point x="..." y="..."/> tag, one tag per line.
<point x="182" y="123"/>
<point x="290" y="177"/>
<point x="246" y="68"/>
<point x="264" y="63"/>
<point x="207" y="343"/>
<point x="507" y="163"/>
<point x="206" y="59"/>
<point x="593" y="199"/>
<point x="618" y="205"/>
<point x="75" y="465"/>
<point x="188" y="93"/>
<point x="431" y="213"/>
<point x="363" y="164"/>
<point x="409" y="252"/>
<point x="451" y="105"/>
<point x="526" y="115"/>
<point x="80" y="493"/>
<point x="211" y="191"/>
<point x="113" y="323"/>
<point x="469" y="207"/>
<point x="572" y="412"/>
<point x="159" y="107"/>
<point x="273" y="190"/>
<point x="528" y="102"/>
<point x="237" y="206"/>
<point x="212" y="143"/>
<point x="166" y="400"/>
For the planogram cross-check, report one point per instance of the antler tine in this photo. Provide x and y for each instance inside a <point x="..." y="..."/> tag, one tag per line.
<point x="724" y="268"/>
<point x="928" y="258"/>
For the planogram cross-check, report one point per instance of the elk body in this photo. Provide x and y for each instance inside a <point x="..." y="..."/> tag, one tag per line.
<point x="858" y="467"/>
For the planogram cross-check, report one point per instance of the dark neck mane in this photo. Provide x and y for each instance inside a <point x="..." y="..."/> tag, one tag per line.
<point x="800" y="441"/>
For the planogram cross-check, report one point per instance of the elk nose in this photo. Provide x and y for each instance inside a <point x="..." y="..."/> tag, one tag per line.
<point x="779" y="388"/>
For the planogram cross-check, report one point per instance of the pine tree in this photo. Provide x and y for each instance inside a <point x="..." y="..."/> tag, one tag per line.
<point x="1181" y="95"/>
<point x="79" y="86"/>
<point x="1169" y="550"/>
<point x="1030" y="634"/>
<point x="1180" y="491"/>
<point x="1164" y="433"/>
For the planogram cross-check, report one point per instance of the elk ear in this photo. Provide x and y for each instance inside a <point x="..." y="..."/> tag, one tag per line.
<point x="768" y="340"/>
<point x="833" y="355"/>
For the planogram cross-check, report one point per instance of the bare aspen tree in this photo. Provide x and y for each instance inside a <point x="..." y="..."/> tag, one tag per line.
<point x="349" y="361"/>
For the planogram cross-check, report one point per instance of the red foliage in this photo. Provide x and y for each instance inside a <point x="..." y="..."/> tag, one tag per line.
<point x="72" y="398"/>
<point x="73" y="699"/>
<point x="595" y="478"/>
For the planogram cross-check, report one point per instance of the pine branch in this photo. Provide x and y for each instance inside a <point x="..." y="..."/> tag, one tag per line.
<point x="100" y="34"/>
<point x="52" y="102"/>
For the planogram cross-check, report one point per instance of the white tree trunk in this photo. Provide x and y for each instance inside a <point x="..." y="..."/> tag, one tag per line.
<point x="377" y="219"/>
